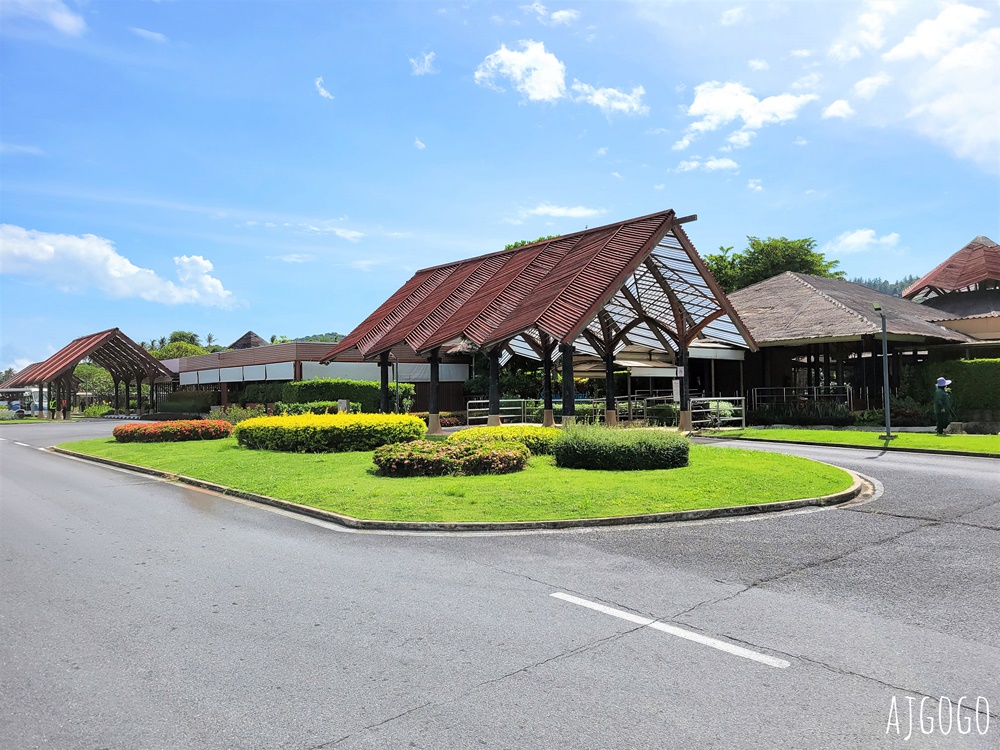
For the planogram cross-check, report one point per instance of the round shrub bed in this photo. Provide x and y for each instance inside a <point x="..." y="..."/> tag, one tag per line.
<point x="538" y="440"/>
<point x="434" y="458"/>
<point x="173" y="432"/>
<point x="611" y="449"/>
<point x="328" y="433"/>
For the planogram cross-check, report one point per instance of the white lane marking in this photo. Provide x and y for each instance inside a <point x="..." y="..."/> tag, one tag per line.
<point x="4" y="439"/>
<point x="24" y="444"/>
<point x="704" y="640"/>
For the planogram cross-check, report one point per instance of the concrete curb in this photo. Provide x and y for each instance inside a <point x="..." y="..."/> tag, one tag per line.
<point x="350" y="522"/>
<point x="900" y="449"/>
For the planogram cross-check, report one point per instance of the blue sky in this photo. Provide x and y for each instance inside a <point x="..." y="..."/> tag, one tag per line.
<point x="285" y="166"/>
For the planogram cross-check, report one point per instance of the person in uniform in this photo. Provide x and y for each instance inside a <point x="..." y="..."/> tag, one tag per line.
<point x="942" y="404"/>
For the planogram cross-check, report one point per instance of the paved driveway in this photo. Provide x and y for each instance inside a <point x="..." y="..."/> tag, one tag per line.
<point x="139" y="614"/>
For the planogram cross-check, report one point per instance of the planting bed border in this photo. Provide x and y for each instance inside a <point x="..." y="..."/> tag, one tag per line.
<point x="857" y="488"/>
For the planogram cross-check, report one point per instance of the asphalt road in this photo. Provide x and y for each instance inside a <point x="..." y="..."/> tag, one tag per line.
<point x="139" y="614"/>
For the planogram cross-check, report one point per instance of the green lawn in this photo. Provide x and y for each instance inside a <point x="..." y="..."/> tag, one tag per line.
<point x="346" y="482"/>
<point x="958" y="443"/>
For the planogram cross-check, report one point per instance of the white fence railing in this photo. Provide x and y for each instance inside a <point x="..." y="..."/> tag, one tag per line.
<point x="656" y="409"/>
<point x="718" y="412"/>
<point x="825" y="393"/>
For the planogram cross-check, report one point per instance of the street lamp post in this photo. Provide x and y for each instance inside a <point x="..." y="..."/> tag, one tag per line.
<point x="885" y="374"/>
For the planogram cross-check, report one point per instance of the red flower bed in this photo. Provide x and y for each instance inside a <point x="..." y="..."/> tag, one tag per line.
<point x="173" y="432"/>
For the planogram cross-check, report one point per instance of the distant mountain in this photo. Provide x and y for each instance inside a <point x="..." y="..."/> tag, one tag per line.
<point x="895" y="288"/>
<point x="333" y="337"/>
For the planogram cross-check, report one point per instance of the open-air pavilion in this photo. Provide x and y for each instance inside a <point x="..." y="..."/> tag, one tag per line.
<point x="127" y="362"/>
<point x="635" y="290"/>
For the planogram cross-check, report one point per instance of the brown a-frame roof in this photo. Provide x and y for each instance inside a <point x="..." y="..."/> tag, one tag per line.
<point x="637" y="283"/>
<point x="111" y="349"/>
<point x="975" y="265"/>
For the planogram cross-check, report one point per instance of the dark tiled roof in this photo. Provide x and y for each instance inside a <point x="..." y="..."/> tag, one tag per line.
<point x="557" y="286"/>
<point x="111" y="349"/>
<point x="796" y="308"/>
<point x="977" y="262"/>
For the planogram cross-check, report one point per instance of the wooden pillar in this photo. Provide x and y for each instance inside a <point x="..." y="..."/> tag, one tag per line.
<point x="493" y="414"/>
<point x="568" y="387"/>
<point x="826" y="364"/>
<point x="610" y="410"/>
<point x="548" y="417"/>
<point x="809" y="367"/>
<point x="223" y="391"/>
<point x="433" y="414"/>
<point x="383" y="371"/>
<point x="138" y="394"/>
<point x="684" y="422"/>
<point x="117" y="400"/>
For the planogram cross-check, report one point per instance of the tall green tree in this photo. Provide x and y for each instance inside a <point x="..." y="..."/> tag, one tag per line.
<point x="186" y="336"/>
<point x="763" y="259"/>
<point x="177" y="349"/>
<point x="96" y="380"/>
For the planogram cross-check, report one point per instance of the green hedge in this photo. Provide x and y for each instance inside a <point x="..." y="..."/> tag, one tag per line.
<point x="365" y="392"/>
<point x="328" y="433"/>
<point x="806" y="413"/>
<point x="433" y="458"/>
<point x="313" y="407"/>
<point x="188" y="401"/>
<point x="538" y="440"/>
<point x="616" y="449"/>
<point x="262" y="393"/>
<point x="975" y="383"/>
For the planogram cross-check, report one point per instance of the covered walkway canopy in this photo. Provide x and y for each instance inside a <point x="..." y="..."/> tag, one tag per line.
<point x="629" y="290"/>
<point x="111" y="349"/>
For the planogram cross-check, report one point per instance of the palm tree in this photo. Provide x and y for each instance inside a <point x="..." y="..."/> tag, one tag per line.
<point x="209" y="339"/>
<point x="162" y="342"/>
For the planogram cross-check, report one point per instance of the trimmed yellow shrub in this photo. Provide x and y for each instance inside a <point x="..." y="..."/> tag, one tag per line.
<point x="538" y="440"/>
<point x="328" y="433"/>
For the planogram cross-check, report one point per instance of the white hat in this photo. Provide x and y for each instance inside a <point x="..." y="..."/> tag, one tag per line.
<point x="942" y="382"/>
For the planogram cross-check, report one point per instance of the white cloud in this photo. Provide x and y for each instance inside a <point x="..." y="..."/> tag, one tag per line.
<point x="864" y="34"/>
<point x="564" y="17"/>
<point x="602" y="151"/>
<point x="53" y="12"/>
<point x="840" y="108"/>
<point x="688" y="165"/>
<point x="714" y="164"/>
<point x="152" y="36"/>
<point x="612" y="100"/>
<point x="758" y="64"/>
<point x="859" y="241"/>
<point x="659" y="186"/>
<point x="537" y="74"/>
<point x="801" y="53"/>
<point x="957" y="101"/>
<point x="560" y="212"/>
<point x="14" y="148"/>
<point x="935" y="38"/>
<point x="423" y="65"/>
<point x="292" y="258"/>
<point x="719" y="104"/>
<point x="754" y="186"/>
<point x="76" y="262"/>
<point x="556" y="18"/>
<point x="366" y="264"/>
<point x="800" y="141"/>
<point x="740" y="138"/>
<point x="866" y="88"/>
<point x="807" y="82"/>
<point x="322" y="90"/>
<point x="733" y="16"/>
<point x="617" y="175"/>
<point x="419" y="144"/>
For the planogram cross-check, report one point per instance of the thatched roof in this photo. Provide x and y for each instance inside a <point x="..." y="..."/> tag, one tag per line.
<point x="793" y="308"/>
<point x="248" y="340"/>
